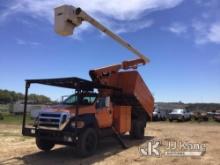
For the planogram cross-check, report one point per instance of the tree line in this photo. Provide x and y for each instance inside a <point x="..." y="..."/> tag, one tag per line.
<point x="190" y="106"/>
<point x="203" y="107"/>
<point x="7" y="96"/>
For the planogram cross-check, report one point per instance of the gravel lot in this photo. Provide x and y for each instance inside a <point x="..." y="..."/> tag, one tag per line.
<point x="16" y="149"/>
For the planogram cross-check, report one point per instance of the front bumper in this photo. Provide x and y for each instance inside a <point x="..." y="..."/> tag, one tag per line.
<point x="175" y="117"/>
<point x="59" y="137"/>
<point x="155" y="117"/>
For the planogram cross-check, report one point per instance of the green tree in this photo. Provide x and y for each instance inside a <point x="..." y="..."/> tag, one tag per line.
<point x="5" y="97"/>
<point x="12" y="96"/>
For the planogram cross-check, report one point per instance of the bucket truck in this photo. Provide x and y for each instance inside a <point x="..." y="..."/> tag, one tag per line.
<point x="116" y="101"/>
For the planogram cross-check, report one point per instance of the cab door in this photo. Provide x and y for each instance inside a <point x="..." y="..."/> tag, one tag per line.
<point x="104" y="112"/>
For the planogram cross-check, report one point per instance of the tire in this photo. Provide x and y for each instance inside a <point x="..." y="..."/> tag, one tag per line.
<point x="44" y="145"/>
<point x="87" y="143"/>
<point x="180" y="119"/>
<point x="159" y="119"/>
<point x="137" y="130"/>
<point x="183" y="119"/>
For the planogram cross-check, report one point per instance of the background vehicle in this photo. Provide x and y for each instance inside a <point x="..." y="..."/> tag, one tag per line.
<point x="180" y="115"/>
<point x="116" y="101"/>
<point x="200" y="116"/>
<point x="17" y="108"/>
<point x="159" y="115"/>
<point x="216" y="116"/>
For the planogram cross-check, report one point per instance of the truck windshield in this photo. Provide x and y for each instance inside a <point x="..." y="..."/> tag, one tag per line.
<point x="82" y="100"/>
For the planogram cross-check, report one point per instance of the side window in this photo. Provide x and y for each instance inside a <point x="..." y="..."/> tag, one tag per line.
<point x="100" y="103"/>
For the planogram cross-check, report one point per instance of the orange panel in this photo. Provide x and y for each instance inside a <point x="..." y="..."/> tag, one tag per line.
<point x="103" y="118"/>
<point x="131" y="84"/>
<point x="122" y="118"/>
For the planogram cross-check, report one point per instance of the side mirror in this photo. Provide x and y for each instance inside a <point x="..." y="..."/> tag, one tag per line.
<point x="107" y="101"/>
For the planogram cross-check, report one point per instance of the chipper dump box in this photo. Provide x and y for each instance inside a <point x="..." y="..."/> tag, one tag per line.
<point x="135" y="92"/>
<point x="115" y="102"/>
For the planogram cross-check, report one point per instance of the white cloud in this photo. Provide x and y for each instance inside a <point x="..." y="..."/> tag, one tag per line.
<point x="200" y="32"/>
<point x="206" y="33"/>
<point x="206" y="28"/>
<point x="29" y="43"/>
<point x="20" y="42"/>
<point x="214" y="33"/>
<point x="125" y="26"/>
<point x="205" y="3"/>
<point x="114" y="10"/>
<point x="177" y="28"/>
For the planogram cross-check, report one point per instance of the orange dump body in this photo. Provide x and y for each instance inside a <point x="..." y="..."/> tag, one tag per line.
<point x="135" y="92"/>
<point x="122" y="118"/>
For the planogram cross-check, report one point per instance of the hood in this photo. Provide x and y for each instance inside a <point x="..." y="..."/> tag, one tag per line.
<point x="176" y="113"/>
<point x="58" y="108"/>
<point x="69" y="109"/>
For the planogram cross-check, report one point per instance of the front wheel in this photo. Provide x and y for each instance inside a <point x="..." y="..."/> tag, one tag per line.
<point x="87" y="142"/>
<point x="183" y="119"/>
<point x="44" y="145"/>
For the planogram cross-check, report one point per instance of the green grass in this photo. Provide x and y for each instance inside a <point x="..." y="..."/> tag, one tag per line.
<point x="11" y="118"/>
<point x="14" y="119"/>
<point x="4" y="108"/>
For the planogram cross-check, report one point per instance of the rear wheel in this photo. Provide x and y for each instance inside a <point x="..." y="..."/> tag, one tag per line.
<point x="87" y="142"/>
<point x="44" y="145"/>
<point x="137" y="130"/>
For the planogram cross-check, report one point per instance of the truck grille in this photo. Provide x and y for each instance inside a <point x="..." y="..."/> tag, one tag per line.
<point x="53" y="120"/>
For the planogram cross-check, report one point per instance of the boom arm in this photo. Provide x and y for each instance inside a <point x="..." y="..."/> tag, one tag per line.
<point x="68" y="17"/>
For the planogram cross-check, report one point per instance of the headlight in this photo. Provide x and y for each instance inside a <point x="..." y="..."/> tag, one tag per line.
<point x="80" y="124"/>
<point x="36" y="122"/>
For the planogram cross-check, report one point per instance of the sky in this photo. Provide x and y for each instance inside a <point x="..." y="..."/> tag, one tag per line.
<point x="181" y="38"/>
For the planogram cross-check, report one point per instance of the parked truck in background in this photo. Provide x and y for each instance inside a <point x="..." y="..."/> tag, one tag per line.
<point x="115" y="102"/>
<point x="179" y="115"/>
<point x="159" y="115"/>
<point x="216" y="116"/>
<point x="200" y="116"/>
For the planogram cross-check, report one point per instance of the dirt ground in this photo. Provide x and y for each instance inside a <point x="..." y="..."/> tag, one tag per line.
<point x="16" y="149"/>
